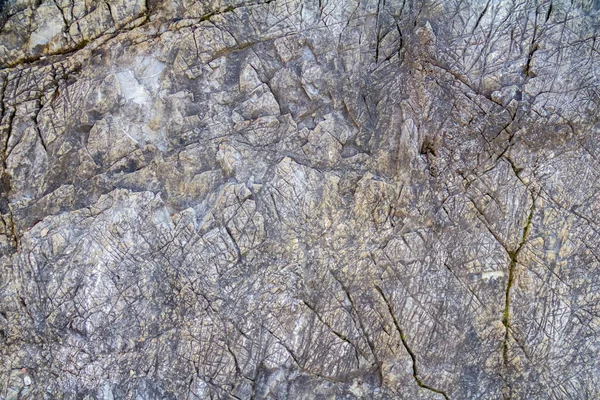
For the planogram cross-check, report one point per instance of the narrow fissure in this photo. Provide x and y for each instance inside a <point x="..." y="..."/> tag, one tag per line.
<point x="413" y="357"/>
<point x="511" y="276"/>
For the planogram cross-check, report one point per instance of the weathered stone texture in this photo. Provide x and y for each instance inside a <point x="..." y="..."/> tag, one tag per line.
<point x="299" y="199"/>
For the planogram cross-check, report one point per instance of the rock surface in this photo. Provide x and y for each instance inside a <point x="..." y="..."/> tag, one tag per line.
<point x="282" y="199"/>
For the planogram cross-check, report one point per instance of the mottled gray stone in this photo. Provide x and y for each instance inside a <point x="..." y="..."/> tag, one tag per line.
<point x="346" y="199"/>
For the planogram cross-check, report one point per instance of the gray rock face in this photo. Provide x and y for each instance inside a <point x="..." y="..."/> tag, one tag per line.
<point x="311" y="199"/>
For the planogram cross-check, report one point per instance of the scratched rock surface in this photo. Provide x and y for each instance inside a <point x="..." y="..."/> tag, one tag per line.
<point x="299" y="199"/>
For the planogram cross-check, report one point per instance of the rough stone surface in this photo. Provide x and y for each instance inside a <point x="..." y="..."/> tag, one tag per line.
<point x="300" y="199"/>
